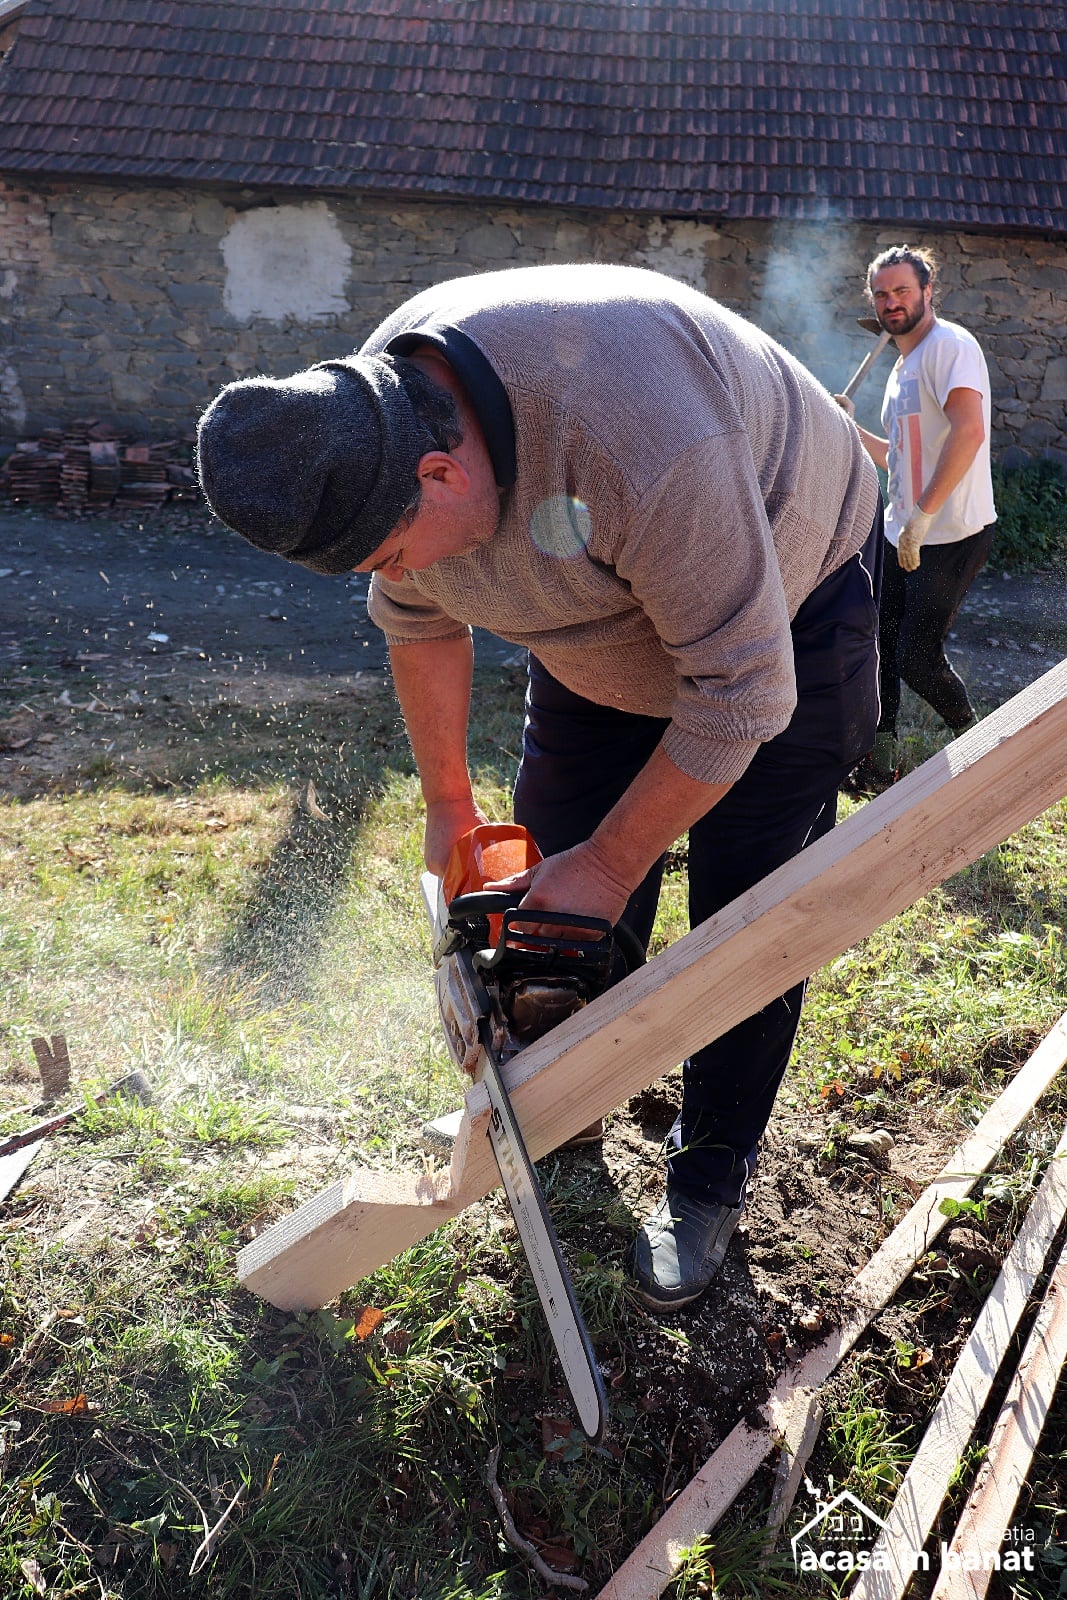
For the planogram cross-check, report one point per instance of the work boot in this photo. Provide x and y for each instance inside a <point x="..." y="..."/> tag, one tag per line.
<point x="681" y="1247"/>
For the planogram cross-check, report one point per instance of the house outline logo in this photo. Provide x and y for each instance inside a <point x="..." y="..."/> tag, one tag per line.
<point x="824" y="1512"/>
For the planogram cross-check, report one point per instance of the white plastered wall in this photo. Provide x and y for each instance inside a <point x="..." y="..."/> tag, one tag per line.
<point x="287" y="261"/>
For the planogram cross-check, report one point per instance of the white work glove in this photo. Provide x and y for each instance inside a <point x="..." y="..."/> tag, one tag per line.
<point x="846" y="404"/>
<point x="912" y="535"/>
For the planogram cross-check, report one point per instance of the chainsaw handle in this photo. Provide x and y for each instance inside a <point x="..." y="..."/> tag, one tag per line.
<point x="629" y="946"/>
<point x="485" y="903"/>
<point x="493" y="902"/>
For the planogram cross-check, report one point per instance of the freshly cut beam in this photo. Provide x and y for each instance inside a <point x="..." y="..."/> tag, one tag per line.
<point x="695" y="1511"/>
<point x="967" y="798"/>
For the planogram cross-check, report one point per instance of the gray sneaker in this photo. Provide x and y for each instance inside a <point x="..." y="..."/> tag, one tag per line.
<point x="681" y="1247"/>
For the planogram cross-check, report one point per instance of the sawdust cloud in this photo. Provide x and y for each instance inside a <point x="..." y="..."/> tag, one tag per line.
<point x="811" y="296"/>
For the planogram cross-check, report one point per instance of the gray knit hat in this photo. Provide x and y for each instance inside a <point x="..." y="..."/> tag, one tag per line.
<point x="318" y="467"/>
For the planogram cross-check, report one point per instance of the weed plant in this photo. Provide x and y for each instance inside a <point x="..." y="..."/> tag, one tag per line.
<point x="1031" y="525"/>
<point x="163" y="1434"/>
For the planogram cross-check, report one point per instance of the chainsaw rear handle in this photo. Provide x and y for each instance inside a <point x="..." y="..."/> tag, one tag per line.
<point x="485" y="903"/>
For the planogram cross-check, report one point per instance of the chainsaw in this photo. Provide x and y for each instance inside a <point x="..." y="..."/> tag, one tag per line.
<point x="503" y="978"/>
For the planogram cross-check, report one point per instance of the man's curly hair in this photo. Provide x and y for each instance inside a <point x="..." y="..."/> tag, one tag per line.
<point x="923" y="261"/>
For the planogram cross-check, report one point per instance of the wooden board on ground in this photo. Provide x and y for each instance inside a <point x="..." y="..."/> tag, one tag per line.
<point x="927" y="1479"/>
<point x="134" y="1086"/>
<point x="795" y="1453"/>
<point x="946" y="813"/>
<point x="966" y="1571"/>
<point x="13" y="1165"/>
<point x="696" y="1510"/>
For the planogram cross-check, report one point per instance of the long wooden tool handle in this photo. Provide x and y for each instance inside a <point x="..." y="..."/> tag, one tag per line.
<point x="865" y="366"/>
<point x="134" y="1083"/>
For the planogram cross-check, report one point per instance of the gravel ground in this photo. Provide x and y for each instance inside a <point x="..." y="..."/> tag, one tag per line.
<point x="172" y="593"/>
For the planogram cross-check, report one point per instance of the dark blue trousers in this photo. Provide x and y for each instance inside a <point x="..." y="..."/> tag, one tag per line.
<point x="579" y="757"/>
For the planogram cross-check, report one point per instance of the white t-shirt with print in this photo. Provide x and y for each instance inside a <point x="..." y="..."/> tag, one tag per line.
<point x="914" y="419"/>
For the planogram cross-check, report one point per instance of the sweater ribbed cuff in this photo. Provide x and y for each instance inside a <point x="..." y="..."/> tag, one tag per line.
<point x="708" y="760"/>
<point x="426" y="635"/>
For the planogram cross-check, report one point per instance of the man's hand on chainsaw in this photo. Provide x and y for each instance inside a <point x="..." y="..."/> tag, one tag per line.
<point x="447" y="821"/>
<point x="578" y="881"/>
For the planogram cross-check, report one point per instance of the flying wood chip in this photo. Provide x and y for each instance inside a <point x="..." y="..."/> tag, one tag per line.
<point x="313" y="805"/>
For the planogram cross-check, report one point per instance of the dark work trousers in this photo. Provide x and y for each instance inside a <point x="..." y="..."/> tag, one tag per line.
<point x="579" y="757"/>
<point x="917" y="610"/>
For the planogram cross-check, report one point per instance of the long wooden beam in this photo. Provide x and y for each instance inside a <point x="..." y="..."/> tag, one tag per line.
<point x="945" y="814"/>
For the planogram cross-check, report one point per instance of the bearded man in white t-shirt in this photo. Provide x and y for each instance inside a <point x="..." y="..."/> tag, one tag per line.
<point x="940" y="512"/>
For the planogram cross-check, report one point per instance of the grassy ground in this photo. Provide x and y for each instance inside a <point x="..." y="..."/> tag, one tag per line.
<point x="228" y="901"/>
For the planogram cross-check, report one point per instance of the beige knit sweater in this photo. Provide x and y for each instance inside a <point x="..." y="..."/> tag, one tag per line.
<point x="683" y="484"/>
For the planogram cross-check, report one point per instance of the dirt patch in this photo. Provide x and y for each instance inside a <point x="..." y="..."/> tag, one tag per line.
<point x="813" y="1219"/>
<point x="1011" y="629"/>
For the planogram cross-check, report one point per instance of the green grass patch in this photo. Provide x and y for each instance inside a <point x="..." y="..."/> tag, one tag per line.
<point x="270" y="973"/>
<point x="1031" y="525"/>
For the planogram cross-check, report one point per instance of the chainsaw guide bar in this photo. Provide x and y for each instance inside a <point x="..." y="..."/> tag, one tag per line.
<point x="545" y="1260"/>
<point x="490" y="997"/>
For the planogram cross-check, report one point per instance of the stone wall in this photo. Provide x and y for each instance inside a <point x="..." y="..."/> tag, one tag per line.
<point x="135" y="306"/>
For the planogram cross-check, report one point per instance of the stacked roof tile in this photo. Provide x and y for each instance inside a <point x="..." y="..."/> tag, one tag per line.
<point x="877" y="110"/>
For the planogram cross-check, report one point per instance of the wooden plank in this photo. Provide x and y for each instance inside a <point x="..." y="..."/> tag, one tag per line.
<point x="968" y="797"/>
<point x="388" y="1207"/>
<point x="926" y="1481"/>
<point x="696" y="1510"/>
<point x="13" y="1166"/>
<point x="982" y="1525"/>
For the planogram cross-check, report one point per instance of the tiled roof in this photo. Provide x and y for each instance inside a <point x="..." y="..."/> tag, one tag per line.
<point x="938" y="111"/>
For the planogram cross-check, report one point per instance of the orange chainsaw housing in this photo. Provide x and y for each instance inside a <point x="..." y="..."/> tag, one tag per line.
<point x="491" y="851"/>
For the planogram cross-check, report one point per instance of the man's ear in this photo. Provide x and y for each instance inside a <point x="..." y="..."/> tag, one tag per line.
<point x="443" y="472"/>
